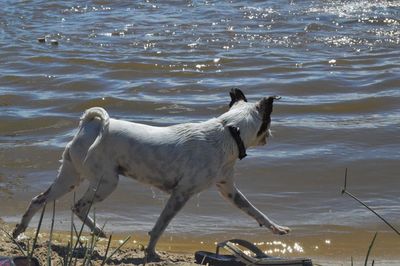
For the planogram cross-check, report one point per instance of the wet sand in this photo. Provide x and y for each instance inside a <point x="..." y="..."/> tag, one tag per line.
<point x="130" y="254"/>
<point x="337" y="247"/>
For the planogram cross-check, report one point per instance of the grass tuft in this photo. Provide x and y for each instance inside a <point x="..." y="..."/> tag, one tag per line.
<point x="73" y="248"/>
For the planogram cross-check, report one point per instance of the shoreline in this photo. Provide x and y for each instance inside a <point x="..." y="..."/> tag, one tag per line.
<point x="131" y="253"/>
<point x="336" y="247"/>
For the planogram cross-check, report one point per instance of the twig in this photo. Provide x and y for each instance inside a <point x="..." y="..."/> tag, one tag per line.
<point x="370" y="248"/>
<point x="93" y="242"/>
<point x="71" y="240"/>
<point x="118" y="248"/>
<point x="344" y="191"/>
<point x="84" y="220"/>
<point x="66" y="255"/>
<point x="77" y="234"/>
<point x="84" y="256"/>
<point x="28" y="246"/>
<point x="51" y="235"/>
<point x="37" y="233"/>
<point x="14" y="241"/>
<point x="106" y="253"/>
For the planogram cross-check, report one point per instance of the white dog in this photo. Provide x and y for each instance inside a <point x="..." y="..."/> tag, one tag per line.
<point x="181" y="160"/>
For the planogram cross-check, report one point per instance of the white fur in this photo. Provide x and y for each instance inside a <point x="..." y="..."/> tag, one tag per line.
<point x="181" y="160"/>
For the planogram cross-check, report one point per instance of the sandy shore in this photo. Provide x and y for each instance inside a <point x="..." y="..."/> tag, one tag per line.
<point x="130" y="254"/>
<point x="336" y="247"/>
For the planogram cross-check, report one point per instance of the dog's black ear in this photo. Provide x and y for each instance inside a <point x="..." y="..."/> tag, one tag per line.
<point x="265" y="108"/>
<point x="236" y="95"/>
<point x="266" y="104"/>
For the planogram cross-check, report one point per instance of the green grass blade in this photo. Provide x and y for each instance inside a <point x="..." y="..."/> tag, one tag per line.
<point x="14" y="241"/>
<point x="77" y="235"/>
<point x="370" y="248"/>
<point x="93" y="238"/>
<point x="51" y="235"/>
<point x="107" y="249"/>
<point x="92" y="244"/>
<point x="71" y="232"/>
<point x="86" y="256"/>
<point x="96" y="240"/>
<point x="118" y="248"/>
<point x="66" y="255"/>
<point x="86" y="217"/>
<point x="37" y="232"/>
<point x="81" y="230"/>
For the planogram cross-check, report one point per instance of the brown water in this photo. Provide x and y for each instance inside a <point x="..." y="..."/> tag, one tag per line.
<point x="335" y="64"/>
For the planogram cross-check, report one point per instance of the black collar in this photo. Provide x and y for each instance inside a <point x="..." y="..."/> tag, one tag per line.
<point x="235" y="132"/>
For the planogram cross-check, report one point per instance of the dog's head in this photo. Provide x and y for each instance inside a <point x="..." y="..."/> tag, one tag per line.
<point x="252" y="119"/>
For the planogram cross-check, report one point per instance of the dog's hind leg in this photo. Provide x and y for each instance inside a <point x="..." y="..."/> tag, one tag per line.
<point x="67" y="179"/>
<point x="175" y="203"/>
<point x="98" y="190"/>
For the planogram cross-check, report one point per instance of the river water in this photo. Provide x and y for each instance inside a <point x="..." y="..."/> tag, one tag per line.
<point x="336" y="65"/>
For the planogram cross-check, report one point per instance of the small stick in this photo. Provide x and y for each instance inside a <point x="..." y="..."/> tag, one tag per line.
<point x="369" y="249"/>
<point x="344" y="191"/>
<point x="84" y="220"/>
<point x="118" y="248"/>
<point x="93" y="242"/>
<point x="106" y="253"/>
<point x="345" y="182"/>
<point x="72" y="225"/>
<point x="15" y="242"/>
<point x="37" y="233"/>
<point x="85" y="256"/>
<point x="66" y="255"/>
<point x="76" y="234"/>
<point x="51" y="235"/>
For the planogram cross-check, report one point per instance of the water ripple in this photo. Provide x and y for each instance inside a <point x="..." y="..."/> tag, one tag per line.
<point x="335" y="64"/>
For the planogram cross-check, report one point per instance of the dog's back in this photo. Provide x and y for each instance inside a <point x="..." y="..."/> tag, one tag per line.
<point x="160" y="156"/>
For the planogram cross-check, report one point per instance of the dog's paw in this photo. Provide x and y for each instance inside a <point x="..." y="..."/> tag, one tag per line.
<point x="18" y="230"/>
<point x="279" y="230"/>
<point x="151" y="256"/>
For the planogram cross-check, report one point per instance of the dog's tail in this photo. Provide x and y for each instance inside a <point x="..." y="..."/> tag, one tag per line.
<point x="89" y="115"/>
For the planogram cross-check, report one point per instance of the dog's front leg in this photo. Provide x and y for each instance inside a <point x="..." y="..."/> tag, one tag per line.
<point x="230" y="192"/>
<point x="174" y="204"/>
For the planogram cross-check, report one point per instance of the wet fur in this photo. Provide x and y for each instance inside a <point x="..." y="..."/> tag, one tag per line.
<point x="181" y="160"/>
